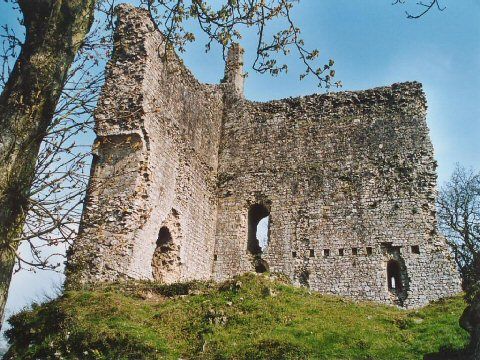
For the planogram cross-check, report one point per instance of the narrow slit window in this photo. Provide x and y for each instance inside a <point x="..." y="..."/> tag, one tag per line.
<point x="354" y="251"/>
<point x="326" y="252"/>
<point x="341" y="252"/>
<point x="312" y="253"/>
<point x="394" y="278"/>
<point x="294" y="254"/>
<point x="369" y="250"/>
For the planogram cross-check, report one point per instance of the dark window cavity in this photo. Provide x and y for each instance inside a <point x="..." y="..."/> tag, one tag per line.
<point x="416" y="249"/>
<point x="394" y="277"/>
<point x="261" y="266"/>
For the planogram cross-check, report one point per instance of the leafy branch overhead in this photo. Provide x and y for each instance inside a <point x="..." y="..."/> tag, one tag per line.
<point x="226" y="23"/>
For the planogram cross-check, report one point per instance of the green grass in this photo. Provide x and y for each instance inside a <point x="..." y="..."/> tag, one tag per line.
<point x="250" y="317"/>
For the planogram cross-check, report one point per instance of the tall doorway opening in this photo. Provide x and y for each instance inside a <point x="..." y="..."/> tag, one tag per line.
<point x="258" y="235"/>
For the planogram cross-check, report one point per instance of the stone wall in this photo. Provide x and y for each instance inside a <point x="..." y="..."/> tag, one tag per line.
<point x="158" y="131"/>
<point x="349" y="182"/>
<point x="184" y="171"/>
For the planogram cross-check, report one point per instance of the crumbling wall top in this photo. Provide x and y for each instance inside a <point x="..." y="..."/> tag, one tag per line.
<point x="234" y="75"/>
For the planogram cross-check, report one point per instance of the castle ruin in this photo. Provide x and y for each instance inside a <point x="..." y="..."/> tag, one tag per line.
<point x="183" y="172"/>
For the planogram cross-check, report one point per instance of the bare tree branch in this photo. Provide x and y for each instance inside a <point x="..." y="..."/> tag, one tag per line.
<point x="458" y="205"/>
<point x="425" y="7"/>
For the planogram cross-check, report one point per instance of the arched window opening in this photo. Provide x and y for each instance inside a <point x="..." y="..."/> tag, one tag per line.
<point x="164" y="238"/>
<point x="394" y="277"/>
<point x="258" y="229"/>
<point x="166" y="257"/>
<point x="258" y="232"/>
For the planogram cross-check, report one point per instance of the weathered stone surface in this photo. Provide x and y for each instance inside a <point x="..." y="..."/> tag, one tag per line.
<point x="348" y="180"/>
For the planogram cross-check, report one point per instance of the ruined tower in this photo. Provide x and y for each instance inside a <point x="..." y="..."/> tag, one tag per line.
<point x="183" y="172"/>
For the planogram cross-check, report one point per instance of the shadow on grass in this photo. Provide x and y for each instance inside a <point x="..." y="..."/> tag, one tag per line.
<point x="449" y="354"/>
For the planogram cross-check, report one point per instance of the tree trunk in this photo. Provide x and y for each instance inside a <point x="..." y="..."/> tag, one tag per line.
<point x="470" y="321"/>
<point x="55" y="30"/>
<point x="476" y="347"/>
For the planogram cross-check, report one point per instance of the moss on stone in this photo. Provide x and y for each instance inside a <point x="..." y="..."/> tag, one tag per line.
<point x="249" y="317"/>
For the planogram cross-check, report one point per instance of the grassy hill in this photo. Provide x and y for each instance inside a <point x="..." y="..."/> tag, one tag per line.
<point x="250" y="317"/>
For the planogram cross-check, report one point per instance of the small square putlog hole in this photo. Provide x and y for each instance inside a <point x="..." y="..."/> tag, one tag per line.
<point x="312" y="253"/>
<point x="354" y="251"/>
<point x="369" y="250"/>
<point x="326" y="252"/>
<point x="415" y="249"/>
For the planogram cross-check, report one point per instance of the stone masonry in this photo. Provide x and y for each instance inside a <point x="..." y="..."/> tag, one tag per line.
<point x="183" y="172"/>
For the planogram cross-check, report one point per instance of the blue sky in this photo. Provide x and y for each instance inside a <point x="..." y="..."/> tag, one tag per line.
<point x="373" y="44"/>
